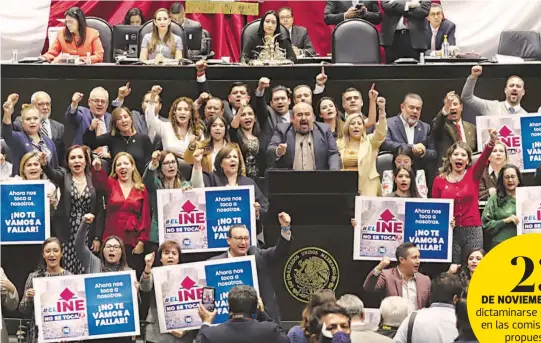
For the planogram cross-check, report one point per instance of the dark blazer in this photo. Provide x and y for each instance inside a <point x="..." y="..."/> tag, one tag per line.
<point x="396" y="138"/>
<point x="63" y="179"/>
<point x="242" y="331"/>
<point x="390" y="282"/>
<point x="325" y="150"/>
<point x="444" y="133"/>
<point x="203" y="87"/>
<point x="57" y="134"/>
<point x="267" y="119"/>
<point x="447" y="27"/>
<point x="81" y="120"/>
<point x="334" y="11"/>
<point x="300" y="39"/>
<point x="487" y="182"/>
<point x="20" y="144"/>
<point x="266" y="261"/>
<point x="394" y="10"/>
<point x="251" y="48"/>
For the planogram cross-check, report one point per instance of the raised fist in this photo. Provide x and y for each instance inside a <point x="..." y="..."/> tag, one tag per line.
<point x="88" y="218"/>
<point x="385" y="261"/>
<point x="264" y="82"/>
<point x="476" y="71"/>
<point x="284" y="219"/>
<point x="281" y="149"/>
<point x="76" y="99"/>
<point x="201" y="66"/>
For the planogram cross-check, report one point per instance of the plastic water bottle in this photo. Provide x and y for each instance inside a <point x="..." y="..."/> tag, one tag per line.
<point x="445" y="47"/>
<point x="88" y="59"/>
<point x="422" y="58"/>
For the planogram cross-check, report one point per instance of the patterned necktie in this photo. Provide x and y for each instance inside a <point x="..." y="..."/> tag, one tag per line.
<point x="512" y="110"/>
<point x="460" y="138"/>
<point x="43" y="129"/>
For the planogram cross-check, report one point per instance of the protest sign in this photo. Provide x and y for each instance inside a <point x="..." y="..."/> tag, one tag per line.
<point x="24" y="217"/>
<point x="179" y="289"/>
<point x="79" y="307"/>
<point x="521" y="135"/>
<point x="528" y="210"/>
<point x="199" y="219"/>
<point x="385" y="223"/>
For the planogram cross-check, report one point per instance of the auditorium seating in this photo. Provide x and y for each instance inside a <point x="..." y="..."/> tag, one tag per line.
<point x="106" y="36"/>
<point x="355" y="41"/>
<point x="524" y="44"/>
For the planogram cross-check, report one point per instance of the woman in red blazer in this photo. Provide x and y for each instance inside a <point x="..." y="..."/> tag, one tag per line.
<point x="76" y="39"/>
<point x="128" y="207"/>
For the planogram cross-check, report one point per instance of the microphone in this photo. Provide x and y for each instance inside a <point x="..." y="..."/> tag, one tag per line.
<point x="312" y="152"/>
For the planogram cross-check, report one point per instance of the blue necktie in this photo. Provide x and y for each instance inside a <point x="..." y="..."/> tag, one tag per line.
<point x="512" y="110"/>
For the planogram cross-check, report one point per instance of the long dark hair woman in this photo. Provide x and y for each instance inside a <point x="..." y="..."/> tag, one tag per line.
<point x="78" y="197"/>
<point x="404" y="183"/>
<point x="269" y="28"/>
<point x="469" y="264"/>
<point x="49" y="266"/>
<point x="169" y="254"/>
<point x="329" y="114"/>
<point x="500" y="214"/>
<point x="76" y="39"/>
<point x="134" y="17"/>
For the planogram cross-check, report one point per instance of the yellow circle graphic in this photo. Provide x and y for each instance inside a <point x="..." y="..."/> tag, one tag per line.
<point x="308" y="270"/>
<point x="504" y="296"/>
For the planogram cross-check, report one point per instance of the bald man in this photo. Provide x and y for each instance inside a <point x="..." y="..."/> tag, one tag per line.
<point x="303" y="143"/>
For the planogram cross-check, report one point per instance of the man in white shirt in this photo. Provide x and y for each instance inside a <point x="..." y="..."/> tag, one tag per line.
<point x="514" y="91"/>
<point x="239" y="245"/>
<point x="437" y="323"/>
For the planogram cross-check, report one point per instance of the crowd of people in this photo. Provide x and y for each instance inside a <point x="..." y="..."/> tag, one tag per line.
<point x="408" y="28"/>
<point x="102" y="186"/>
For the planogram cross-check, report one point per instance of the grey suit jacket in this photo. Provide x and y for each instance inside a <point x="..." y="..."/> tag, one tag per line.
<point x="300" y="39"/>
<point x="57" y="135"/>
<point x="483" y="107"/>
<point x="394" y="10"/>
<point x="9" y="302"/>
<point x="334" y="11"/>
<point x="325" y="150"/>
<point x="266" y="260"/>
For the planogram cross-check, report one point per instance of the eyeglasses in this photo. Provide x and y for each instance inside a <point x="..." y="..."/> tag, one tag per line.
<point x="115" y="247"/>
<point x="509" y="177"/>
<point x="240" y="239"/>
<point x="286" y="17"/>
<point x="99" y="101"/>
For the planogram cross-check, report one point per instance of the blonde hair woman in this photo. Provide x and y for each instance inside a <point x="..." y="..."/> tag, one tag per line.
<point x="31" y="169"/>
<point x="128" y="206"/>
<point x="30" y="138"/>
<point x="359" y="151"/>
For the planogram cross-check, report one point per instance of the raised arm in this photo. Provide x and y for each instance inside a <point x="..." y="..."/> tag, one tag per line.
<point x="100" y="180"/>
<point x="375" y="281"/>
<point x="377" y="104"/>
<point x="56" y="175"/>
<point x="281" y="249"/>
<point x="90" y="262"/>
<point x="73" y="115"/>
<point x="7" y="129"/>
<point x="10" y="299"/>
<point x="482" y="162"/>
<point x="481" y="106"/>
<point x="27" y="303"/>
<point x="150" y="114"/>
<point x="149" y="176"/>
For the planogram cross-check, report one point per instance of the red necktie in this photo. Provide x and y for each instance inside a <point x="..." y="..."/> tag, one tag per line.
<point x="460" y="138"/>
<point x="405" y="21"/>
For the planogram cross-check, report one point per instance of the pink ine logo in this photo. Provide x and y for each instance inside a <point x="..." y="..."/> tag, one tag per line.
<point x="388" y="223"/>
<point x="66" y="294"/>
<point x="68" y="302"/>
<point x="508" y="138"/>
<point x="189" y="292"/>
<point x="190" y="215"/>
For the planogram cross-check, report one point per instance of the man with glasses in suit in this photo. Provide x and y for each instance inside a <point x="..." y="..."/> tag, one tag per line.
<point x="302" y="45"/>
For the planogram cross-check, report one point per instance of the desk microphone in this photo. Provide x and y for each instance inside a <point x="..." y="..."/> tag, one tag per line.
<point x="312" y="152"/>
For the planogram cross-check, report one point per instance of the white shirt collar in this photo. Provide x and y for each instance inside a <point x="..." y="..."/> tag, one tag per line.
<point x="434" y="29"/>
<point x="516" y="107"/>
<point x="402" y="275"/>
<point x="406" y="123"/>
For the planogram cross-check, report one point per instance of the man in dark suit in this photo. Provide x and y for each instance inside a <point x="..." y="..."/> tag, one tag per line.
<point x="238" y="92"/>
<point x="403" y="280"/>
<point x="265" y="259"/>
<point x="303" y="144"/>
<point x="437" y="27"/>
<point x="240" y="328"/>
<point x="403" y="28"/>
<point x="302" y="45"/>
<point x="449" y="128"/>
<point x="338" y="11"/>
<point x="407" y="131"/>
<point x="269" y="116"/>
<point x="49" y="127"/>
